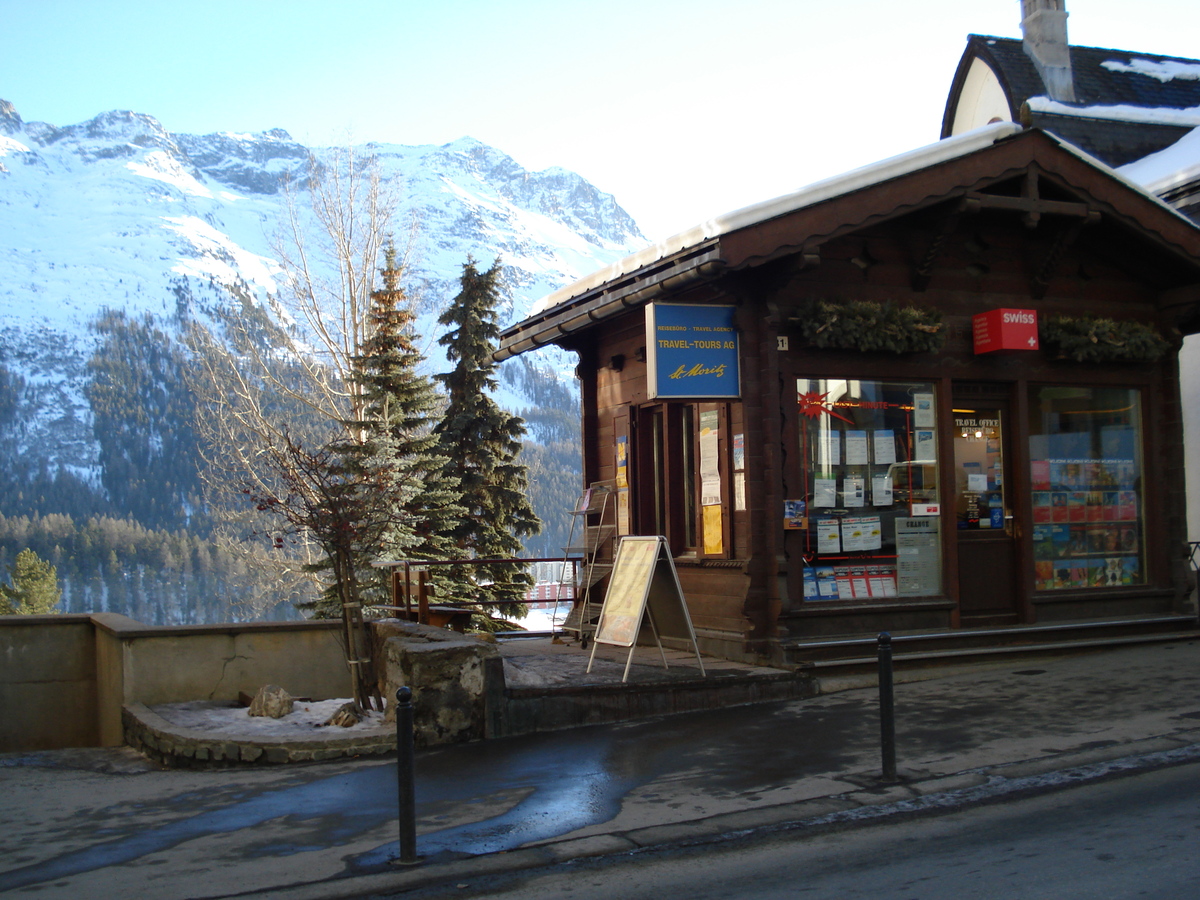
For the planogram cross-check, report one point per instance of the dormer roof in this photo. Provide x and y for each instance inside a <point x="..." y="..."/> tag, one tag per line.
<point x="1127" y="105"/>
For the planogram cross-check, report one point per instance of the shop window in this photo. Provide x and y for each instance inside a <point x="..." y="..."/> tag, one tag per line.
<point x="1086" y="476"/>
<point x="870" y="508"/>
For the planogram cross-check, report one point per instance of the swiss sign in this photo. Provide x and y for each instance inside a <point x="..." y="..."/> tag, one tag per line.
<point x="1005" y="329"/>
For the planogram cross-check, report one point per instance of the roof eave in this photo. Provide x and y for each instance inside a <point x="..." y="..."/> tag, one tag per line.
<point x="610" y="299"/>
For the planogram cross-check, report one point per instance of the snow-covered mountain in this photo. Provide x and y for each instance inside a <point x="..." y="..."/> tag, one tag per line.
<point x="117" y="213"/>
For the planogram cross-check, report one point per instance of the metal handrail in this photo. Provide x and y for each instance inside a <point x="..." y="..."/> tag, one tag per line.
<point x="402" y="587"/>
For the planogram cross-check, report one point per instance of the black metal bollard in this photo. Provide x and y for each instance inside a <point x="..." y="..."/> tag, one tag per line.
<point x="887" y="710"/>
<point x="405" y="777"/>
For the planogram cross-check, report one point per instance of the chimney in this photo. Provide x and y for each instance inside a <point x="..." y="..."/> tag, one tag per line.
<point x="1044" y="27"/>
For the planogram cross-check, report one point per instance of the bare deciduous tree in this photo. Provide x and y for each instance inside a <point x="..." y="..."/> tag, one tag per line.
<point x="277" y="390"/>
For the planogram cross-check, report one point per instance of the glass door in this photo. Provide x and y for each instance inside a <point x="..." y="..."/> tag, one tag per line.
<point x="987" y="568"/>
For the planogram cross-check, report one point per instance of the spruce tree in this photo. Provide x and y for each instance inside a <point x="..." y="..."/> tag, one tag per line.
<point x="400" y="409"/>
<point x="34" y="590"/>
<point x="483" y="443"/>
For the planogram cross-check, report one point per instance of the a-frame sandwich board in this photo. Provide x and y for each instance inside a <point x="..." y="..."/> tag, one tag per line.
<point x="643" y="586"/>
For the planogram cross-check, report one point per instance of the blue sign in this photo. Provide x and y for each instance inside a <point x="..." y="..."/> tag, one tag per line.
<point x="691" y="352"/>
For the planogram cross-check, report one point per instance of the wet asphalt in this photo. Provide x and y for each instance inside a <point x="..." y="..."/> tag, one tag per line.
<point x="78" y="823"/>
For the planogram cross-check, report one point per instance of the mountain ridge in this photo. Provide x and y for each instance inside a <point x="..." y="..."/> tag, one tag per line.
<point x="114" y="211"/>
<point x="117" y="213"/>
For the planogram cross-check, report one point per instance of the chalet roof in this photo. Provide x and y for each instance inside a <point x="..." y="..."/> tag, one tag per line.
<point x="802" y="220"/>
<point x="1115" y="92"/>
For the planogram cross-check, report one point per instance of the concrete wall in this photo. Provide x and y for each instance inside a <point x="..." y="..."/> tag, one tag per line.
<point x="65" y="679"/>
<point x="47" y="683"/>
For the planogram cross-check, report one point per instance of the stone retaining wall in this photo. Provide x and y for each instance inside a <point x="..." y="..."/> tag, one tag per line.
<point x="179" y="747"/>
<point x="531" y="710"/>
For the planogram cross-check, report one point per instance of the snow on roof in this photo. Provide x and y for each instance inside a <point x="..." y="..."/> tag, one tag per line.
<point x="1146" y="115"/>
<point x="1176" y="165"/>
<point x="856" y="179"/>
<point x="1164" y="70"/>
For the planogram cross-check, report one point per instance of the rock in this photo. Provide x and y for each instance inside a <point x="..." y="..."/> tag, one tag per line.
<point x="272" y="701"/>
<point x="346" y="715"/>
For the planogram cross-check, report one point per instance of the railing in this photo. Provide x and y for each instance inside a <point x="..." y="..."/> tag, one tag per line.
<point x="405" y="587"/>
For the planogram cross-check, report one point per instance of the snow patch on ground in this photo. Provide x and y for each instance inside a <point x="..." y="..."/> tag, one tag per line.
<point x="160" y="166"/>
<point x="306" y="718"/>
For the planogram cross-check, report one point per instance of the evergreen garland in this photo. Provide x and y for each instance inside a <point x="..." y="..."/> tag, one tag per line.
<point x="1092" y="339"/>
<point x="870" y="327"/>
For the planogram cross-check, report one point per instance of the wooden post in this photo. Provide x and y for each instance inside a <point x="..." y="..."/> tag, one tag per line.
<point x="422" y="598"/>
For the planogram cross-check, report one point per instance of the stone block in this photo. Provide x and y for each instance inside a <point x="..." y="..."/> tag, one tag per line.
<point x="446" y="672"/>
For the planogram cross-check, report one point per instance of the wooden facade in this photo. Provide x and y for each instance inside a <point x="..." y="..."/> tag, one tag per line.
<point x="963" y="479"/>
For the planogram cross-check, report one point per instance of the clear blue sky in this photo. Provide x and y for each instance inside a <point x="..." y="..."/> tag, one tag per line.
<point x="683" y="110"/>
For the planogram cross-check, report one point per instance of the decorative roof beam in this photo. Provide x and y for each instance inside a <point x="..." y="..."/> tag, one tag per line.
<point x="1029" y="202"/>
<point x="923" y="273"/>
<point x="1062" y="241"/>
<point x="1035" y="209"/>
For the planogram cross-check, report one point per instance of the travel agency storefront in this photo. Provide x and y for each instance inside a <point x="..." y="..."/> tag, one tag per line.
<point x="940" y="392"/>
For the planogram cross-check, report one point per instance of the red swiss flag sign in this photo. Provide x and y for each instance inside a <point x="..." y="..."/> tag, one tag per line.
<point x="1005" y="329"/>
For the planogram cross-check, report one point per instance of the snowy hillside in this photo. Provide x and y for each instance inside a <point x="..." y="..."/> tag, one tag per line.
<point x="117" y="213"/>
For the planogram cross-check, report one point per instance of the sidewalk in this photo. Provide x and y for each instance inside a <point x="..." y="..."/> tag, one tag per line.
<point x="101" y="823"/>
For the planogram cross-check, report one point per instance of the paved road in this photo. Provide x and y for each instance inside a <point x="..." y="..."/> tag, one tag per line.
<point x="104" y="823"/>
<point x="1132" y="837"/>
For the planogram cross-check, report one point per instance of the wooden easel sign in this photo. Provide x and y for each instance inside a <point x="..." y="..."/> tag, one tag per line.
<point x="644" y="586"/>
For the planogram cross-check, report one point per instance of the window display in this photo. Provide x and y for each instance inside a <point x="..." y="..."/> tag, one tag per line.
<point x="870" y="467"/>
<point x="1086" y="477"/>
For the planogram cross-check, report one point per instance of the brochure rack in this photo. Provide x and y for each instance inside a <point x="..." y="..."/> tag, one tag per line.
<point x="586" y="559"/>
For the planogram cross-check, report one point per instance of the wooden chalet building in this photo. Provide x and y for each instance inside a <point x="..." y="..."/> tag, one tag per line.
<point x="885" y="402"/>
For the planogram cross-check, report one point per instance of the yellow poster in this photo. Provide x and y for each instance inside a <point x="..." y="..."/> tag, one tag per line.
<point x="713" y="541"/>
